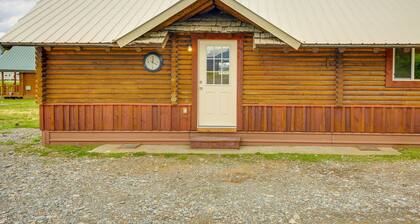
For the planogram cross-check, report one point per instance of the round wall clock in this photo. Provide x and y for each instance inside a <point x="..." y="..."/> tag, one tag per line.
<point x="153" y="62"/>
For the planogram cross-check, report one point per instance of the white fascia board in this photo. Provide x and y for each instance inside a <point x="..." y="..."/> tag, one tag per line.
<point x="149" y="25"/>
<point x="267" y="26"/>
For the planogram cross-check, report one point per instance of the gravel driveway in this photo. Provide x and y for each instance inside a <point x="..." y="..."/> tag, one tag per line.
<point x="154" y="189"/>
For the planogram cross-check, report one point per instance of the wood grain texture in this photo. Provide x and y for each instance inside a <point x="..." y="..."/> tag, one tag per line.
<point x="333" y="119"/>
<point x="115" y="117"/>
<point x="29" y="79"/>
<point x="339" y="78"/>
<point x="275" y="75"/>
<point x="99" y="75"/>
<point x="40" y="71"/>
<point x="174" y="70"/>
<point x="365" y="79"/>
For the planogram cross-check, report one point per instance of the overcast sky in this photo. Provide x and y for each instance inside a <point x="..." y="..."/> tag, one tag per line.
<point x="11" y="11"/>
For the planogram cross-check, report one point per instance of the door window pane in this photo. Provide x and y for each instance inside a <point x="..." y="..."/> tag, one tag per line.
<point x="402" y="63"/>
<point x="210" y="64"/>
<point x="417" y="64"/>
<point x="218" y="64"/>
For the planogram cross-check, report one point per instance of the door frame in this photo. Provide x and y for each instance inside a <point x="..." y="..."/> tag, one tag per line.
<point x="240" y="53"/>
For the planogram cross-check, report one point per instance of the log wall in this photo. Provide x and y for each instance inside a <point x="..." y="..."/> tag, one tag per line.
<point x="365" y="80"/>
<point x="273" y="75"/>
<point x="93" y="75"/>
<point x="286" y="76"/>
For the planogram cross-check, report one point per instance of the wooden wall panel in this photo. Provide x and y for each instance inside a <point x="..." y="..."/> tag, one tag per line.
<point x="285" y="76"/>
<point x="365" y="78"/>
<point x="29" y="79"/>
<point x="347" y="119"/>
<point x="256" y="118"/>
<point x="184" y="66"/>
<point x="115" y="117"/>
<point x="95" y="75"/>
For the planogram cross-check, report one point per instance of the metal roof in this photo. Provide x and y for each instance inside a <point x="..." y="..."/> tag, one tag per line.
<point x="307" y="22"/>
<point x="19" y="59"/>
<point x="342" y="22"/>
<point x="83" y="21"/>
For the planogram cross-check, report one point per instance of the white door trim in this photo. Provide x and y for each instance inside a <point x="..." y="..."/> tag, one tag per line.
<point x="217" y="101"/>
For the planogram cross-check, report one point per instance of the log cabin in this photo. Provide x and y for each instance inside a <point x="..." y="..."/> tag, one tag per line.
<point x="223" y="73"/>
<point x="17" y="73"/>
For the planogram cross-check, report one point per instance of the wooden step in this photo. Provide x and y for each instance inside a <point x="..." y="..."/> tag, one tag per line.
<point x="215" y="142"/>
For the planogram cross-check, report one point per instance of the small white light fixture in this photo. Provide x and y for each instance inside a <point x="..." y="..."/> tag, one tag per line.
<point x="189" y="48"/>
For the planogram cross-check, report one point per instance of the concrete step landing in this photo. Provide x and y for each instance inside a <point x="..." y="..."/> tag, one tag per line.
<point x="214" y="142"/>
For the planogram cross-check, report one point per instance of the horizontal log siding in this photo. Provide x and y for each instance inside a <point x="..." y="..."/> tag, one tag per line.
<point x="273" y="76"/>
<point x="347" y="119"/>
<point x="184" y="67"/>
<point x="364" y="80"/>
<point x="94" y="75"/>
<point x="115" y="117"/>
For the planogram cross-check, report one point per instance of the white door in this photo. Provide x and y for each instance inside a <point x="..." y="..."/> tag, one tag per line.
<point x="217" y="71"/>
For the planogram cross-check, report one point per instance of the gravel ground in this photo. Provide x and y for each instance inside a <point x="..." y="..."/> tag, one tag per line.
<point x="150" y="189"/>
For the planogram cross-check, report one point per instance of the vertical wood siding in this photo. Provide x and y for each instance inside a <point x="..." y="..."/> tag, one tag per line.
<point x="114" y="117"/>
<point x="348" y="119"/>
<point x="256" y="118"/>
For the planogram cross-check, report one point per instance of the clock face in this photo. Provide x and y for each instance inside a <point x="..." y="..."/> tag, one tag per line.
<point x="153" y="62"/>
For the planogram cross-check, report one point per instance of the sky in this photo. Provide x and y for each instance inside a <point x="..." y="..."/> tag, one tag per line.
<point x="11" y="11"/>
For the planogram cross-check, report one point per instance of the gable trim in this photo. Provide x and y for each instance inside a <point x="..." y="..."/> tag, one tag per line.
<point x="149" y="25"/>
<point x="267" y="26"/>
<point x="183" y="4"/>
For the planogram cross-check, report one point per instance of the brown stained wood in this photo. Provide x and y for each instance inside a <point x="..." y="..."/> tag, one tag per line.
<point x="40" y="83"/>
<point x="115" y="117"/>
<point x="174" y="71"/>
<point x="197" y="7"/>
<point x="80" y="138"/>
<point x="339" y="78"/>
<point x="94" y="75"/>
<point x="344" y="119"/>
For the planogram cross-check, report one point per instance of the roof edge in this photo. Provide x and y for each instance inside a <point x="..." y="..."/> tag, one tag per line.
<point x="267" y="26"/>
<point x="17" y="70"/>
<point x="149" y="25"/>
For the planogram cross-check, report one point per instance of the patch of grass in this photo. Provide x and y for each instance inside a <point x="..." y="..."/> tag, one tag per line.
<point x="9" y="142"/>
<point x="139" y="154"/>
<point x="406" y="154"/>
<point x="18" y="114"/>
<point x="67" y="150"/>
<point x="36" y="140"/>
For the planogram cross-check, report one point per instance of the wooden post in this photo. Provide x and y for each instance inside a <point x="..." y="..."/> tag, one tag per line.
<point x="174" y="71"/>
<point x="14" y="83"/>
<point x="339" y="77"/>
<point x="21" y="84"/>
<point x="2" y="84"/>
<point x="40" y="75"/>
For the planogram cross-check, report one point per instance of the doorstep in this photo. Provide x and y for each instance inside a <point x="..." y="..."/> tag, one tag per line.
<point x="186" y="149"/>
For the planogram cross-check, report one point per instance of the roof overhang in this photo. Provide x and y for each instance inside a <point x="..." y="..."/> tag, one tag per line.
<point x="264" y="24"/>
<point x="12" y="70"/>
<point x="184" y="4"/>
<point x="148" y="26"/>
